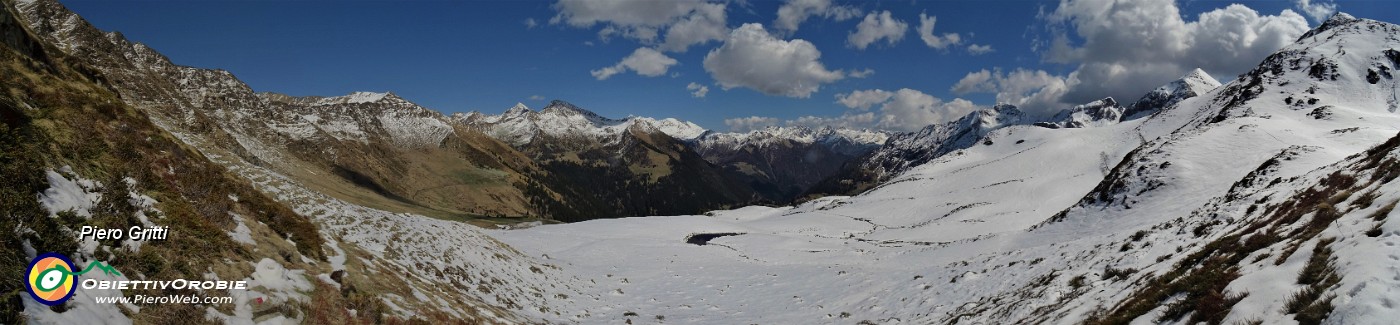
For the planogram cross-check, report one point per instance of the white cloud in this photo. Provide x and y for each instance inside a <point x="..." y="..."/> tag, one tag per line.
<point x="975" y="49"/>
<point x="792" y="13"/>
<point x="901" y="110"/>
<point x="864" y="99"/>
<point x="536" y="97"/>
<point x="752" y="58"/>
<point x="697" y="90"/>
<point x="683" y="22"/>
<point x="1131" y="46"/>
<point x="530" y="23"/>
<point x="705" y="24"/>
<point x="745" y="124"/>
<point x="973" y="82"/>
<point x="926" y="23"/>
<point x="1319" y="11"/>
<point x="622" y="13"/>
<point x="910" y="110"/>
<point x="1036" y="92"/>
<point x="877" y="26"/>
<point x="861" y="73"/>
<point x="644" y="61"/>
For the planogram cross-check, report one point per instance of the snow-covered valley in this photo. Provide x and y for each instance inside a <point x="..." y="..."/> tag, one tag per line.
<point x="1037" y="224"/>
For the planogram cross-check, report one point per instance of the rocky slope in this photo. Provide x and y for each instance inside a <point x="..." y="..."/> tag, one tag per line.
<point x="375" y="149"/>
<point x="75" y="154"/>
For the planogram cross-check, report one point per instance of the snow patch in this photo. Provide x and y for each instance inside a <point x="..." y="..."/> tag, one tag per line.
<point x="78" y="194"/>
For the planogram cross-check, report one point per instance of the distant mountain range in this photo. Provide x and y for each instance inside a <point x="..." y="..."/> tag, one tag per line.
<point x="773" y="165"/>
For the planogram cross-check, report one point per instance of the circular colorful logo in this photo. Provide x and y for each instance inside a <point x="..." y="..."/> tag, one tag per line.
<point x="51" y="279"/>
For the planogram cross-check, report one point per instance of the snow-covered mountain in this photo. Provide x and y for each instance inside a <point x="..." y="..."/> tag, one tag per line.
<point x="904" y="151"/>
<point x="356" y="116"/>
<point x="519" y="125"/>
<point x="912" y="149"/>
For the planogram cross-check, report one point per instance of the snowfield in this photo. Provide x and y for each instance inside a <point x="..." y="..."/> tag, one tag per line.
<point x="915" y="249"/>
<point x="1060" y="225"/>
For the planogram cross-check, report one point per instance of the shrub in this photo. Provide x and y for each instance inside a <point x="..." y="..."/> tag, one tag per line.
<point x="1078" y="281"/>
<point x="1315" y="313"/>
<point x="1365" y="200"/>
<point x="1119" y="274"/>
<point x="1308" y="304"/>
<point x="1319" y="266"/>
<point x="1384" y="211"/>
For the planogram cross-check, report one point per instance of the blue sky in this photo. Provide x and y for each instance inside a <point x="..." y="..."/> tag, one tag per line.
<point x="483" y="55"/>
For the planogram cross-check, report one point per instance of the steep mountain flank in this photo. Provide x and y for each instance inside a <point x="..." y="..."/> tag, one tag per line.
<point x="781" y="163"/>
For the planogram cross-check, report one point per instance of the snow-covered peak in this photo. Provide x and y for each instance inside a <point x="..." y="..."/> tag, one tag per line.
<point x="520" y="124"/>
<point x="681" y="130"/>
<point x="846" y="141"/>
<point x="1338" y="19"/>
<point x="466" y="116"/>
<point x="518" y="110"/>
<point x="1096" y="113"/>
<point x="1192" y="84"/>
<point x="1342" y="17"/>
<point x="865" y="136"/>
<point x="359" y="97"/>
<point x="565" y="108"/>
<point x="1199" y="76"/>
<point x="365" y="97"/>
<point x="992" y="118"/>
<point x="799" y="134"/>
